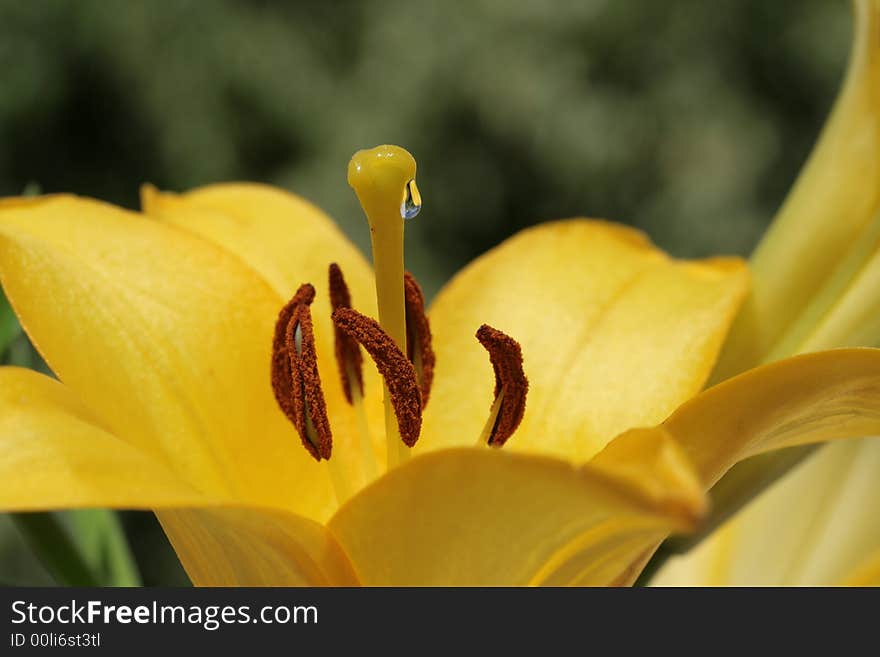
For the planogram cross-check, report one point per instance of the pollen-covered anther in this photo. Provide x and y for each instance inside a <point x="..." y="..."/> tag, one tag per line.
<point x="418" y="336"/>
<point x="295" y="378"/>
<point x="393" y="365"/>
<point x="348" y="353"/>
<point x="511" y="384"/>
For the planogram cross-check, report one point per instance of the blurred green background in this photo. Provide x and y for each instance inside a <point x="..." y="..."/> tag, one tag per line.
<point x="688" y="119"/>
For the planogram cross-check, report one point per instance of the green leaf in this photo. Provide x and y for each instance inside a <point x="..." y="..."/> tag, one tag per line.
<point x="32" y="188"/>
<point x="55" y="548"/>
<point x="103" y="543"/>
<point x="80" y="548"/>
<point x="9" y="326"/>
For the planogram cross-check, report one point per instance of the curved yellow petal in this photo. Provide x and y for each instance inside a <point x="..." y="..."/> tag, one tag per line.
<point x="255" y="547"/>
<point x="817" y="526"/>
<point x="866" y="574"/>
<point x="828" y="213"/>
<point x="614" y="333"/>
<point x="287" y="241"/>
<point x="853" y="320"/>
<point x="811" y="398"/>
<point x="652" y="462"/>
<point x="166" y="338"/>
<point x="55" y="453"/>
<point x="490" y="517"/>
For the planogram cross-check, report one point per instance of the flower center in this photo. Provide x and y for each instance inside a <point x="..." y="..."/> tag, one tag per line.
<point x="399" y="343"/>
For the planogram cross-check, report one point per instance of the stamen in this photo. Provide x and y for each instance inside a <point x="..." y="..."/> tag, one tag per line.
<point x="511" y="385"/>
<point x="348" y="353"/>
<point x="395" y="368"/>
<point x="295" y="379"/>
<point x="350" y="363"/>
<point x="418" y="336"/>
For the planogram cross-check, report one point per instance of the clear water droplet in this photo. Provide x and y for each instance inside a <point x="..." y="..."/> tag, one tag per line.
<point x="412" y="201"/>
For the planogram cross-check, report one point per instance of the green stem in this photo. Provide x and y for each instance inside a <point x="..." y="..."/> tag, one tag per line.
<point x="9" y="328"/>
<point x="102" y="540"/>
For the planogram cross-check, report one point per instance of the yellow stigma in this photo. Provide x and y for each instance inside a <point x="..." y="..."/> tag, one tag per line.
<point x="384" y="180"/>
<point x="380" y="177"/>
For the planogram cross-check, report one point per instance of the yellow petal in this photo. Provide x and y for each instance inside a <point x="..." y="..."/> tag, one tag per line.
<point x="287" y="241"/>
<point x="614" y="334"/>
<point x="166" y="338"/>
<point x="867" y="573"/>
<point x="55" y="453"/>
<point x="817" y="526"/>
<point x="829" y="210"/>
<point x="255" y="547"/>
<point x="853" y="320"/>
<point x="653" y="463"/>
<point x="491" y="517"/>
<point x="806" y="399"/>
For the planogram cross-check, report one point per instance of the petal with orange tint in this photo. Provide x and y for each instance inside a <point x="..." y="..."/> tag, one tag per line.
<point x="866" y="574"/>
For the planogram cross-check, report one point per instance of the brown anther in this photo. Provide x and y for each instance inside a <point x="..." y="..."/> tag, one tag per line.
<point x="393" y="365"/>
<point x="418" y="336"/>
<point x="295" y="378"/>
<point x="510" y="381"/>
<point x="348" y="353"/>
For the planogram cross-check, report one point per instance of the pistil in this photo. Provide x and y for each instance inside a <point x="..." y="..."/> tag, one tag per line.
<point x="384" y="180"/>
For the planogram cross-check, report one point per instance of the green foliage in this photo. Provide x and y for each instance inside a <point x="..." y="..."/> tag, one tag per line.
<point x="80" y="548"/>
<point x="686" y="118"/>
<point x="102" y="541"/>
<point x="56" y="549"/>
<point x="9" y="328"/>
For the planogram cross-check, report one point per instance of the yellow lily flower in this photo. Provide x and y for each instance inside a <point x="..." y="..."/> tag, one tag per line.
<point x="816" y="280"/>
<point x="159" y="326"/>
